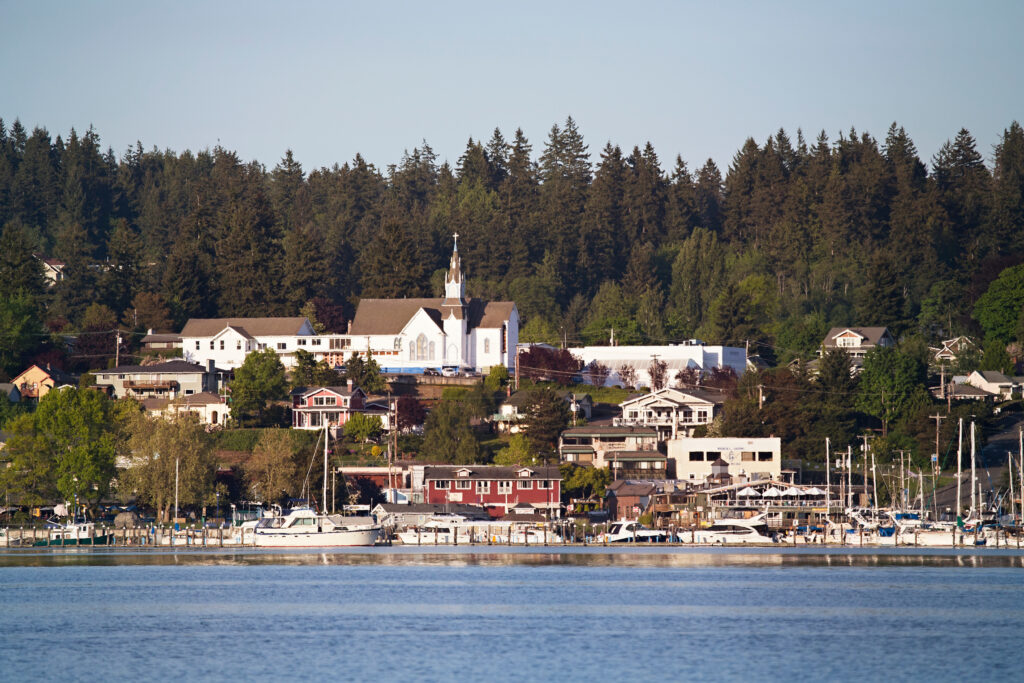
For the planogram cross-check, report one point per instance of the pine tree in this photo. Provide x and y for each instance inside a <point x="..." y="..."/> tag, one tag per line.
<point x="1008" y="190"/>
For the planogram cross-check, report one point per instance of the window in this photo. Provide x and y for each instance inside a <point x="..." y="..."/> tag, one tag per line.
<point x="325" y="401"/>
<point x="847" y="342"/>
<point x="316" y="341"/>
<point x="238" y="344"/>
<point x="483" y="487"/>
<point x="714" y="455"/>
<point x="504" y="487"/>
<point x="764" y="456"/>
<point x="197" y="346"/>
<point x="696" y="456"/>
<point x="398" y="343"/>
<point x="421" y="347"/>
<point x="463" y="485"/>
<point x="340" y="343"/>
<point x="747" y="456"/>
<point x="282" y="346"/>
<point x="301" y="342"/>
<point x="545" y="483"/>
<point x="525" y="485"/>
<point x="430" y="346"/>
<point x="702" y="415"/>
<point x="441" y="484"/>
<point x="644" y="465"/>
<point x="211" y="345"/>
<point x="659" y="465"/>
<point x="221" y="344"/>
<point x="487" y="345"/>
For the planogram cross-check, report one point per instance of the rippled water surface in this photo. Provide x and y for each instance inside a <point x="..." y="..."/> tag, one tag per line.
<point x="511" y="615"/>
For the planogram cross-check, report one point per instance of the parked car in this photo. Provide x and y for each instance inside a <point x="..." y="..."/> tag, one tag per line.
<point x="430" y="372"/>
<point x="450" y="372"/>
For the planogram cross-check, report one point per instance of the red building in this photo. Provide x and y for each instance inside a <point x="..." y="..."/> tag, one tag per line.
<point x="313" y="406"/>
<point x="497" y="488"/>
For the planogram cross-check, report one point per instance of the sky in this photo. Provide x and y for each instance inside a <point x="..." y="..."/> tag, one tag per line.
<point x="329" y="80"/>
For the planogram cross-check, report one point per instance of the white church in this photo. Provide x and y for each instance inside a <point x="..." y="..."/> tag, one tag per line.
<point x="402" y="335"/>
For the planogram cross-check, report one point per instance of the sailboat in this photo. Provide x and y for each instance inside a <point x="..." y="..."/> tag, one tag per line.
<point x="304" y="527"/>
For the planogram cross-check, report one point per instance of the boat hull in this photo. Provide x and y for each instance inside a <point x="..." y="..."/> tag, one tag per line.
<point x="107" y="539"/>
<point x="337" y="538"/>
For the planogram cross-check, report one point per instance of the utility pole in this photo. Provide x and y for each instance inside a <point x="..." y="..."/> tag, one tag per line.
<point x="760" y="396"/>
<point x="938" y="419"/>
<point x="117" y="349"/>
<point x="517" y="367"/>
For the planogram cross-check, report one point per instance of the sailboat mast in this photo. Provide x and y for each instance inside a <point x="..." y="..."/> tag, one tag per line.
<point x="959" y="467"/>
<point x="327" y="435"/>
<point x="974" y="474"/>
<point x="828" y="482"/>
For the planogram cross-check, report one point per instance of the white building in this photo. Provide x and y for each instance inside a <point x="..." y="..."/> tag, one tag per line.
<point x="691" y="355"/>
<point x="671" y="411"/>
<point x="750" y="458"/>
<point x="402" y="335"/>
<point x="410" y="335"/>
<point x="227" y="341"/>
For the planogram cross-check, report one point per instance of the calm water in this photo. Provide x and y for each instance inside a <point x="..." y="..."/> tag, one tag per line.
<point x="573" y="615"/>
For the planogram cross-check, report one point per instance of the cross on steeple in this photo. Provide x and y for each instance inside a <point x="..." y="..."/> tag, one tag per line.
<point x="456" y="241"/>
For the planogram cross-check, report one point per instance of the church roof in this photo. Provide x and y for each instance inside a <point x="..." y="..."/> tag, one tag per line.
<point x="253" y="327"/>
<point x="390" y="316"/>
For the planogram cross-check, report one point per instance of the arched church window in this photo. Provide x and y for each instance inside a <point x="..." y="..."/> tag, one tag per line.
<point x="487" y="345"/>
<point x="431" y="350"/>
<point x="421" y="347"/>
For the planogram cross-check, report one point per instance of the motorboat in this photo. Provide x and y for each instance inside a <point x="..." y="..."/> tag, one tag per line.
<point x="733" y="530"/>
<point x="631" y="531"/>
<point x="436" y="531"/>
<point x="305" y="528"/>
<point x="76" y="531"/>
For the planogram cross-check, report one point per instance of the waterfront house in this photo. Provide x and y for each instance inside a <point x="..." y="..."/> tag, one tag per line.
<point x="625" y="499"/>
<point x="497" y="488"/>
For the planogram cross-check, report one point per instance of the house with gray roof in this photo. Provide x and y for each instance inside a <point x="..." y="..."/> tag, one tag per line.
<point x="169" y="380"/>
<point x="995" y="383"/>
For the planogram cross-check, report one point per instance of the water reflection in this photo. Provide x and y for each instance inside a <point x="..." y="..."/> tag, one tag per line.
<point x="503" y="557"/>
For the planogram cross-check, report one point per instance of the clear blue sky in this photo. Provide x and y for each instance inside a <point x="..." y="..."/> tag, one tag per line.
<point x="330" y="79"/>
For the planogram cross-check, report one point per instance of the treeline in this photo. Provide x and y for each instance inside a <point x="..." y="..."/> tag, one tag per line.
<point x="794" y="237"/>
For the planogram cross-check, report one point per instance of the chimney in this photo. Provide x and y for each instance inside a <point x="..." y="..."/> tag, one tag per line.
<point x="350" y="327"/>
<point x="350" y="386"/>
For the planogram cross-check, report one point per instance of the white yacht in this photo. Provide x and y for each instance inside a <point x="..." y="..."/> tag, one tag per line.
<point x="748" y="530"/>
<point x="304" y="528"/>
<point x="436" y="531"/>
<point x="629" y="531"/>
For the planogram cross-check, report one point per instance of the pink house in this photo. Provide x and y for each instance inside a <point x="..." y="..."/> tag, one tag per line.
<point x="312" y="407"/>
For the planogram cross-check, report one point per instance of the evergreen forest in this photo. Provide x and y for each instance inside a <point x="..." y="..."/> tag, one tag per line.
<point x="794" y="237"/>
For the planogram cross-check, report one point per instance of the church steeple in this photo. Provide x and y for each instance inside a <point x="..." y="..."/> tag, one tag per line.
<point x="454" y="284"/>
